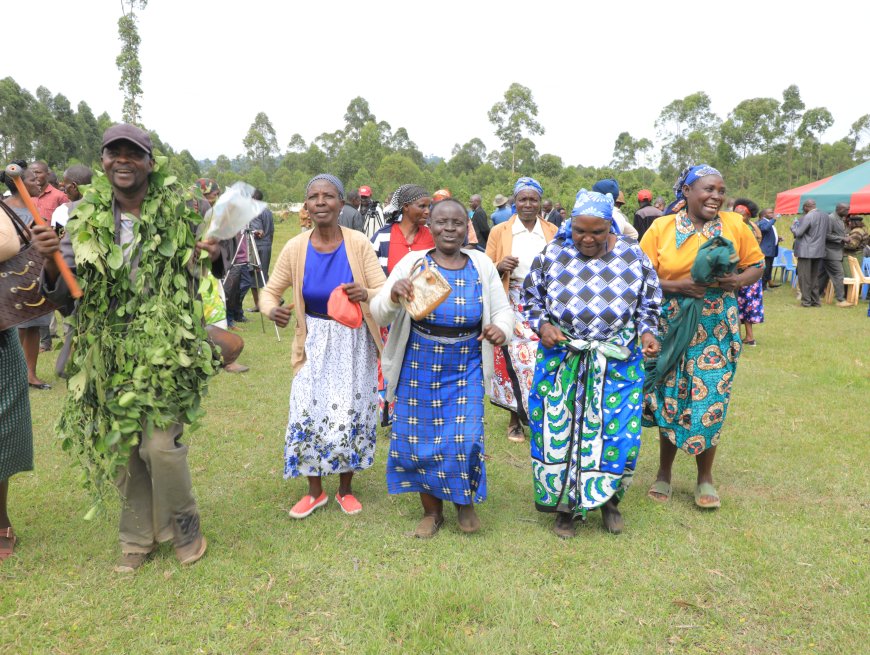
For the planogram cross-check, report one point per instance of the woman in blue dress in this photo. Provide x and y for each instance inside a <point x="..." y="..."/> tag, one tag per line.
<point x="591" y="296"/>
<point x="436" y="369"/>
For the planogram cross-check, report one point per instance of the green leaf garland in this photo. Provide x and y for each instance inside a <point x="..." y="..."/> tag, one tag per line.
<point x="141" y="355"/>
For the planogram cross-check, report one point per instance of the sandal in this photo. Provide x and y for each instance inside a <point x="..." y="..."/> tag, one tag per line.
<point x="658" y="489"/>
<point x="515" y="433"/>
<point x="428" y="526"/>
<point x="467" y="519"/>
<point x="611" y="517"/>
<point x="9" y="535"/>
<point x="564" y="527"/>
<point x="706" y="489"/>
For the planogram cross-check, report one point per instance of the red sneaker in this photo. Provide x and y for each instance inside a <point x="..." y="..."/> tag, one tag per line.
<point x="307" y="505"/>
<point x="348" y="504"/>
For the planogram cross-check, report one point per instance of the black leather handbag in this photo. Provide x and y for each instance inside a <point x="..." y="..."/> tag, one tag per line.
<point x="20" y="297"/>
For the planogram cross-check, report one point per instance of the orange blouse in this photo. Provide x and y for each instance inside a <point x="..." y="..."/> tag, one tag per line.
<point x="674" y="262"/>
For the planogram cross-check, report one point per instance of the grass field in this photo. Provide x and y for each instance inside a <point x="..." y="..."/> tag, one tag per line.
<point x="781" y="568"/>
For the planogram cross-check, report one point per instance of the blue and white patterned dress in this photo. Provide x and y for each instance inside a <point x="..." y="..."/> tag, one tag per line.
<point x="437" y="441"/>
<point x="585" y="402"/>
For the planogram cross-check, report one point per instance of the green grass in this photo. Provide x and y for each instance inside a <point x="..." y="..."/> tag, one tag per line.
<point x="781" y="568"/>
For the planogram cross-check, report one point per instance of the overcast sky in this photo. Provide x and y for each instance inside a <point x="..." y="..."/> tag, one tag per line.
<point x="595" y="69"/>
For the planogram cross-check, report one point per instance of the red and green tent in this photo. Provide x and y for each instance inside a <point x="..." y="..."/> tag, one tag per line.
<point x="852" y="186"/>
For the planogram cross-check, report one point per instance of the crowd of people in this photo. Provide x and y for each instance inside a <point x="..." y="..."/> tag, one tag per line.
<point x="582" y="325"/>
<point x="821" y="240"/>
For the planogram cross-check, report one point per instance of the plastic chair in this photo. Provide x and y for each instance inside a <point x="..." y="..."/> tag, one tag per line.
<point x="778" y="263"/>
<point x="865" y="278"/>
<point x="789" y="266"/>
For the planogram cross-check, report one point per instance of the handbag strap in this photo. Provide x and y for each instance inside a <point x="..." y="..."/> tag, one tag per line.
<point x="20" y="227"/>
<point x="419" y="264"/>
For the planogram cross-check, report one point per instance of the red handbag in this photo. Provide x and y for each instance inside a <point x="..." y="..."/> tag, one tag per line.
<point x="342" y="309"/>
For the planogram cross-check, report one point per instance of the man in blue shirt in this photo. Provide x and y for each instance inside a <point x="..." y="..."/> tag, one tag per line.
<point x="503" y="210"/>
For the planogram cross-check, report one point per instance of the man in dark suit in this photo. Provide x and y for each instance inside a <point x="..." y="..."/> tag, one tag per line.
<point x="809" y="232"/>
<point x="550" y="213"/>
<point x="479" y="220"/>
<point x="831" y="267"/>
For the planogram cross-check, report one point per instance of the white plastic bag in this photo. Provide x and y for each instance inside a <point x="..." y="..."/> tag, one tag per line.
<point x="232" y="212"/>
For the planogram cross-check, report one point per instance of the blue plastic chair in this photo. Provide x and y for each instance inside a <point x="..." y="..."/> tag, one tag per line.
<point x="788" y="266"/>
<point x="865" y="270"/>
<point x="778" y="263"/>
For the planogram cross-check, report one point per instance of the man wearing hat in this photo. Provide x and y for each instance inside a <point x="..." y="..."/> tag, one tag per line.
<point x="502" y="212"/>
<point x="623" y="227"/>
<point x="158" y="503"/>
<point x="373" y="215"/>
<point x="645" y="214"/>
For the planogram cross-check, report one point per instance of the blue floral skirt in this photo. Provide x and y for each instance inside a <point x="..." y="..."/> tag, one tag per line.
<point x="750" y="303"/>
<point x="333" y="402"/>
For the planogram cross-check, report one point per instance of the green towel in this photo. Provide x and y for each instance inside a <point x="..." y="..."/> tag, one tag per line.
<point x="715" y="259"/>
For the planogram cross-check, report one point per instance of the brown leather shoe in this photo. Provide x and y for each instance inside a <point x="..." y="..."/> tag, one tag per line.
<point x="129" y="562"/>
<point x="564" y="526"/>
<point x="428" y="526"/>
<point x="192" y="552"/>
<point x="467" y="518"/>
<point x="516" y="434"/>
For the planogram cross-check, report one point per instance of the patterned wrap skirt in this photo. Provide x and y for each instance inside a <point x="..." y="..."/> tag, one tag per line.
<point x="333" y="402"/>
<point x="690" y="403"/>
<point x="16" y="432"/>
<point x="514" y="364"/>
<point x="585" y="423"/>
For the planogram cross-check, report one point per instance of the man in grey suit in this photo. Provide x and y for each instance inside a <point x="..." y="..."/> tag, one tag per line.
<point x="832" y="264"/>
<point x="810" y="231"/>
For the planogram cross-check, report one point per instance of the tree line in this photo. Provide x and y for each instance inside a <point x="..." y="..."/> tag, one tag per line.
<point x="763" y="146"/>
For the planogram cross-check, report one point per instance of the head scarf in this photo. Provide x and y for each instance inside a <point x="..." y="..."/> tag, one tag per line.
<point x="692" y="173"/>
<point x="525" y="183"/>
<point x="588" y="203"/>
<point x="607" y="185"/>
<point x="334" y="181"/>
<point x="408" y="193"/>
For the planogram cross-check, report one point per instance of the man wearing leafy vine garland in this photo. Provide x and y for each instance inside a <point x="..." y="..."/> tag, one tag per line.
<point x="141" y="359"/>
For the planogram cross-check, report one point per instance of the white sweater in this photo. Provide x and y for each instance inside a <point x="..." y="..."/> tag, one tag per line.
<point x="496" y="310"/>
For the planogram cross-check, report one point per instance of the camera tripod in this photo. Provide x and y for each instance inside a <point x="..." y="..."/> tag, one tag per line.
<point x="254" y="266"/>
<point x="373" y="220"/>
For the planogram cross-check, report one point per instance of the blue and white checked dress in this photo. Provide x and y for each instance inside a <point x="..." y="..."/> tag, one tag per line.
<point x="437" y="441"/>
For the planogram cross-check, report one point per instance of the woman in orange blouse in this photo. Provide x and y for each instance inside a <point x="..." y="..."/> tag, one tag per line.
<point x="688" y="404"/>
